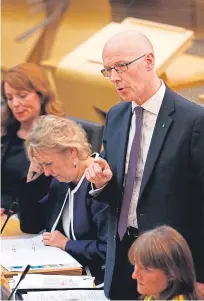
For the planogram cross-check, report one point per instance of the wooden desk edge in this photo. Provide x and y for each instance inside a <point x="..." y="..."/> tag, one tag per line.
<point x="59" y="271"/>
<point x="159" y="25"/>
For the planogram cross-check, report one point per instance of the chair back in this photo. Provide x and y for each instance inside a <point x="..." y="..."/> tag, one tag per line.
<point x="94" y="132"/>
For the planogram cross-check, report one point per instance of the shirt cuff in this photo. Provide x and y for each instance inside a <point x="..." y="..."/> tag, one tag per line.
<point x="95" y="192"/>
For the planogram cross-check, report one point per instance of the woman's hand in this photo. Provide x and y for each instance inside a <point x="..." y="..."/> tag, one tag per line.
<point x="55" y="239"/>
<point x="36" y="168"/>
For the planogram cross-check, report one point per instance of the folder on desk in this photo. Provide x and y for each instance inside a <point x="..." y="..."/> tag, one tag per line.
<point x="18" y="252"/>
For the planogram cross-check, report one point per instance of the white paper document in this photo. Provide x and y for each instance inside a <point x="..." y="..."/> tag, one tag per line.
<point x="16" y="253"/>
<point x="37" y="281"/>
<point x="86" y="295"/>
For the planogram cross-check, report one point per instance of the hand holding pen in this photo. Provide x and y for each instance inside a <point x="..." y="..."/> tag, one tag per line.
<point x="35" y="170"/>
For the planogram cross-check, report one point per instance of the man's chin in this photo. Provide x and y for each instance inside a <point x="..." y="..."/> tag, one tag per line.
<point x="121" y="99"/>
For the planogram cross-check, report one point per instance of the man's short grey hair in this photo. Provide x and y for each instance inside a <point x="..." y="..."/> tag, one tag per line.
<point x="57" y="134"/>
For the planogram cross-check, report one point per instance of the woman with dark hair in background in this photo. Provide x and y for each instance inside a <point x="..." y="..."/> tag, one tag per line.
<point x="163" y="266"/>
<point x="27" y="94"/>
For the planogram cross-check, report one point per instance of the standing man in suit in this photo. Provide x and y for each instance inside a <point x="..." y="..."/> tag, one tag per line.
<point x="152" y="167"/>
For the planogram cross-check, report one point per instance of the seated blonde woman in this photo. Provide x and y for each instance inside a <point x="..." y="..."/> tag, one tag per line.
<point x="163" y="266"/>
<point x="74" y="221"/>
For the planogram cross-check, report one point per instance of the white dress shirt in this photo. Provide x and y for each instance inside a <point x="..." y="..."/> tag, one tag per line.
<point x="151" y="110"/>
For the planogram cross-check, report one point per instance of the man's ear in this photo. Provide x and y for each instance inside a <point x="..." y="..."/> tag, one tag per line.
<point x="150" y="61"/>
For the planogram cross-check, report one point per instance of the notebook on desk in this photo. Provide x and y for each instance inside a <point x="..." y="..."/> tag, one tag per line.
<point x="17" y="252"/>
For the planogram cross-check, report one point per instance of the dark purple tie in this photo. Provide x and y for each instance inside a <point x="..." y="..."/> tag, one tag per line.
<point x="130" y="177"/>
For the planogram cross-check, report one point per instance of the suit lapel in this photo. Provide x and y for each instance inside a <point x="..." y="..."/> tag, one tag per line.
<point x="162" y="127"/>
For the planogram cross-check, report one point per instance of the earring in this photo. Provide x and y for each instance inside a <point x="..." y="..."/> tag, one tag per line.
<point x="170" y="279"/>
<point x="74" y="164"/>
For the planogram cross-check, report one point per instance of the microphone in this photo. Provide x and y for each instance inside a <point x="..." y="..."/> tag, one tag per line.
<point x="21" y="278"/>
<point x="11" y="211"/>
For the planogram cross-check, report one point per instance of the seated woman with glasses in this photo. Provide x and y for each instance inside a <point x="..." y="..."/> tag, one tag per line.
<point x="163" y="266"/>
<point x="73" y="220"/>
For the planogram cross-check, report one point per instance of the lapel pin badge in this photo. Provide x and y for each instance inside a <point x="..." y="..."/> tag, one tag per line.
<point x="163" y="125"/>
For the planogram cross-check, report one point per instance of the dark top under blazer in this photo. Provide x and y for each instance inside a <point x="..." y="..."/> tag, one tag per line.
<point x="90" y="220"/>
<point x="172" y="188"/>
<point x="14" y="169"/>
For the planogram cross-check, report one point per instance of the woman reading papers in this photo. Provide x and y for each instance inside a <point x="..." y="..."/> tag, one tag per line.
<point x="74" y="221"/>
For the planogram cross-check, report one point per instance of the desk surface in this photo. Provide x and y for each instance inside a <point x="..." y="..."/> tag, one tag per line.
<point x="168" y="41"/>
<point x="186" y="71"/>
<point x="201" y="98"/>
<point x="12" y="228"/>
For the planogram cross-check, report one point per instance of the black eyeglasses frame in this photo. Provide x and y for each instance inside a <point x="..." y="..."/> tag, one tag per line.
<point x="120" y="65"/>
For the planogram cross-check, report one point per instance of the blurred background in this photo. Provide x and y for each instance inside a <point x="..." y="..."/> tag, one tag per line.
<point x="66" y="38"/>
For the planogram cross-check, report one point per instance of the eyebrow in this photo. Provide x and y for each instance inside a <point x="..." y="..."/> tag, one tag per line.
<point x="23" y="91"/>
<point x="119" y="62"/>
<point x="17" y="91"/>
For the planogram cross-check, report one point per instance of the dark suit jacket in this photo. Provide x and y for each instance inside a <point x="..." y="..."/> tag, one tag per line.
<point x="89" y="220"/>
<point x="172" y="188"/>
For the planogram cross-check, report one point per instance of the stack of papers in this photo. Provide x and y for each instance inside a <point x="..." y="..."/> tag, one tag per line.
<point x="16" y="253"/>
<point x="34" y="281"/>
<point x="87" y="295"/>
